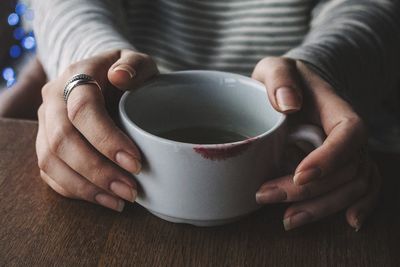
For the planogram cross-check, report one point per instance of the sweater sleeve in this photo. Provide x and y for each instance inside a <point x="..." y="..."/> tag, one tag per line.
<point x="355" y="46"/>
<point x="69" y="31"/>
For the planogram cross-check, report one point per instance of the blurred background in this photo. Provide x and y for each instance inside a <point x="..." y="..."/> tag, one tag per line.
<point x="17" y="41"/>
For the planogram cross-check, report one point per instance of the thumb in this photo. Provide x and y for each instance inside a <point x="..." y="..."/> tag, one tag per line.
<point x="282" y="81"/>
<point x="131" y="70"/>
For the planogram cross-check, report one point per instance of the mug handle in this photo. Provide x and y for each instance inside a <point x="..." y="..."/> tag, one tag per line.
<point x="309" y="134"/>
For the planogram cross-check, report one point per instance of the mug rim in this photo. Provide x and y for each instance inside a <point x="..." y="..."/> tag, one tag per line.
<point x="125" y="118"/>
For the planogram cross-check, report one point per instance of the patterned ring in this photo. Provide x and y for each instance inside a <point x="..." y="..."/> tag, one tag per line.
<point x="77" y="80"/>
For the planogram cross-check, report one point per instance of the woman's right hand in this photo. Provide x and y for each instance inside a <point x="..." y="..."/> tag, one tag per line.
<point x="81" y="153"/>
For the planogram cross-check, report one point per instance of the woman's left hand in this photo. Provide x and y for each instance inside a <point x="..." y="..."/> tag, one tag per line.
<point x="339" y="175"/>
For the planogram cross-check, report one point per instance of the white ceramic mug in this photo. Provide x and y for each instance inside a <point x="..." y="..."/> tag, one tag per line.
<point x="206" y="184"/>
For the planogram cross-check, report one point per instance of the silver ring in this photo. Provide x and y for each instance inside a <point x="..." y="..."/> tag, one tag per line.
<point x="77" y="80"/>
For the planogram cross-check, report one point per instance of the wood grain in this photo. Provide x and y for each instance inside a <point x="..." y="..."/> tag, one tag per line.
<point x="40" y="228"/>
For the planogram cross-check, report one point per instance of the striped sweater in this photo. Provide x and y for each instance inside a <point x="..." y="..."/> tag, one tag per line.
<point x="353" y="44"/>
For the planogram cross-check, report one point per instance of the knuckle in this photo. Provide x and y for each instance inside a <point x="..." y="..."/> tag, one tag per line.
<point x="100" y="174"/>
<point x="46" y="89"/>
<point x="277" y="63"/>
<point x="355" y="123"/>
<point x="263" y="64"/>
<point x="279" y="71"/>
<point x="77" y="107"/>
<point x="269" y="60"/>
<point x="57" y="135"/>
<point x="43" y="161"/>
<point x="262" y="67"/>
<point x="103" y="142"/>
<point x="73" y="68"/>
<point x="86" y="191"/>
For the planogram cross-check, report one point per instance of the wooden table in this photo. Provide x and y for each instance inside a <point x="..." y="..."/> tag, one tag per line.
<point x="40" y="228"/>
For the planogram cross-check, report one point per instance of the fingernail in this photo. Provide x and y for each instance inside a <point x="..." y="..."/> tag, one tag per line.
<point x="123" y="190"/>
<point x="270" y="195"/>
<point x="110" y="202"/>
<point x="128" y="162"/>
<point x="287" y="99"/>
<point x="297" y="220"/>
<point x="304" y="177"/>
<point x="126" y="68"/>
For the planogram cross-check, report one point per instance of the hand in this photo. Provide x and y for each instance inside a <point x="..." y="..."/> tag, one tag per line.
<point x="81" y="153"/>
<point x="337" y="175"/>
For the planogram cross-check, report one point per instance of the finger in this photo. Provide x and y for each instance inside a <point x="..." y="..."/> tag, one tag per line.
<point x="284" y="190"/>
<point x="314" y="209"/>
<point x="40" y="150"/>
<point x="343" y="142"/>
<point x="344" y="129"/>
<point x="88" y="114"/>
<point x="67" y="182"/>
<point x="359" y="211"/>
<point x="55" y="186"/>
<point x="97" y="67"/>
<point x="282" y="82"/>
<point x="86" y="191"/>
<point x="131" y="70"/>
<point x="66" y="143"/>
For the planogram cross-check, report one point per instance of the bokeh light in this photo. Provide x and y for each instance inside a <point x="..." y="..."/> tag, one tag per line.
<point x="19" y="33"/>
<point x="25" y="42"/>
<point x="13" y="19"/>
<point x="15" y="51"/>
<point x="8" y="74"/>
<point x="20" y="9"/>
<point x="28" y="42"/>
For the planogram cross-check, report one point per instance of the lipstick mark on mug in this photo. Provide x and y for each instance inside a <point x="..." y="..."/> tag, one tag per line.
<point x="224" y="151"/>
